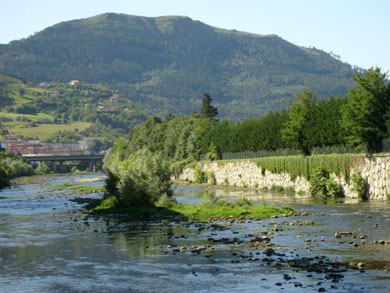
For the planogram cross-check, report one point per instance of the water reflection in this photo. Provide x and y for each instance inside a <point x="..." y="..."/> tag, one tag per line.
<point x="48" y="245"/>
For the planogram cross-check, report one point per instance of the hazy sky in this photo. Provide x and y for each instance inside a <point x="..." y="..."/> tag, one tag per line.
<point x="357" y="30"/>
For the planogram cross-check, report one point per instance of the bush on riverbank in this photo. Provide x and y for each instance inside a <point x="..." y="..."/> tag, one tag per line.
<point x="43" y="168"/>
<point x="359" y="185"/>
<point x="323" y="186"/>
<point x="12" y="166"/>
<point x="203" y="212"/>
<point x="138" y="180"/>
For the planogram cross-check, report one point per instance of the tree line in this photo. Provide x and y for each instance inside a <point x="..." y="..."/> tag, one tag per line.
<point x="359" y="120"/>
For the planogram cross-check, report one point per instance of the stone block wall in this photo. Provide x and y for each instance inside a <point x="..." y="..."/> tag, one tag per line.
<point x="245" y="173"/>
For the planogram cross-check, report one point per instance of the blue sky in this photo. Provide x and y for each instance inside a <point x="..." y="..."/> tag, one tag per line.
<point x="357" y="30"/>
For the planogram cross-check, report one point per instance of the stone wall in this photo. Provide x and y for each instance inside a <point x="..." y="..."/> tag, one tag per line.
<point x="244" y="173"/>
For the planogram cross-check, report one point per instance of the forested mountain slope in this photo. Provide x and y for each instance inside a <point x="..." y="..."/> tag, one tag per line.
<point x="168" y="62"/>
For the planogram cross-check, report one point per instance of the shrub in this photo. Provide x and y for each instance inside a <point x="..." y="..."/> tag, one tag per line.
<point x="322" y="185"/>
<point x="264" y="189"/>
<point x="142" y="179"/>
<point x="333" y="189"/>
<point x="301" y="193"/>
<point x="212" y="154"/>
<point x="226" y="181"/>
<point x="43" y="168"/>
<point x="4" y="181"/>
<point x="178" y="167"/>
<point x="208" y="199"/>
<point x="111" y="182"/>
<point x="199" y="175"/>
<point x="243" y="202"/>
<point x="359" y="185"/>
<point x="290" y="191"/>
<point x="256" y="185"/>
<point x="108" y="202"/>
<point x="75" y="170"/>
<point x="277" y="188"/>
<point x="211" y="178"/>
<point x="14" y="166"/>
<point x="165" y="201"/>
<point x="318" y="182"/>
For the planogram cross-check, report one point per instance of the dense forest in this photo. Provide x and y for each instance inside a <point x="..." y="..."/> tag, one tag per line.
<point x="359" y="120"/>
<point x="166" y="63"/>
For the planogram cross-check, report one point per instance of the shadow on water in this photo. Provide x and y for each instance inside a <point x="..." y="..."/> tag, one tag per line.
<point x="143" y="213"/>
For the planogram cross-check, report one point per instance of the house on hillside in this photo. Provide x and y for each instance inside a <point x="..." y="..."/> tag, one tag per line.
<point x="114" y="99"/>
<point x="74" y="82"/>
<point x="44" y="84"/>
<point x="10" y="137"/>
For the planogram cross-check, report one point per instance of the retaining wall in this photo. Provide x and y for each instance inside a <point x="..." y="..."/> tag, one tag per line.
<point x="245" y="173"/>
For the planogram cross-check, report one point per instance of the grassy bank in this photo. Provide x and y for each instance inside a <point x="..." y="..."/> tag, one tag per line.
<point x="304" y="166"/>
<point x="212" y="210"/>
<point x="43" y="131"/>
<point x="83" y="189"/>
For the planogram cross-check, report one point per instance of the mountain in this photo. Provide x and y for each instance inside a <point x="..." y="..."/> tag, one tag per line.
<point x="168" y="62"/>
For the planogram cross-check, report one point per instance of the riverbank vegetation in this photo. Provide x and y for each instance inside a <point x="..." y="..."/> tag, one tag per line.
<point x="209" y="209"/>
<point x="137" y="179"/>
<point x="308" y="124"/>
<point x="305" y="166"/>
<point x="138" y="167"/>
<point x="12" y="166"/>
<point x="82" y="189"/>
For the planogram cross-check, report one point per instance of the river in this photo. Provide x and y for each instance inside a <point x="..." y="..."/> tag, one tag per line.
<point x="49" y="244"/>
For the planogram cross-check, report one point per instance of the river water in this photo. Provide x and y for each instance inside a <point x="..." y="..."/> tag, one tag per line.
<point x="49" y="244"/>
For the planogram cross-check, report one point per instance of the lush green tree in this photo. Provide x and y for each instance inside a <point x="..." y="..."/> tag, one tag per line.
<point x="140" y="179"/>
<point x="96" y="146"/>
<point x="213" y="153"/>
<point x="364" y="114"/>
<point x="12" y="166"/>
<point x="298" y="131"/>
<point x="329" y="129"/>
<point x="4" y="180"/>
<point x="208" y="111"/>
<point x="43" y="168"/>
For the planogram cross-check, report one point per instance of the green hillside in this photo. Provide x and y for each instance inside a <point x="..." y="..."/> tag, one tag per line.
<point x="51" y="110"/>
<point x="168" y="62"/>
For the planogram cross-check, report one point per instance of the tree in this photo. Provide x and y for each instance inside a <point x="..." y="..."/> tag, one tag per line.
<point x="364" y="114"/>
<point x="300" y="125"/>
<point x="212" y="155"/>
<point x="96" y="146"/>
<point x="208" y="111"/>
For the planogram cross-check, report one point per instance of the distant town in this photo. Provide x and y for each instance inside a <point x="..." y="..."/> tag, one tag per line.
<point x="16" y="145"/>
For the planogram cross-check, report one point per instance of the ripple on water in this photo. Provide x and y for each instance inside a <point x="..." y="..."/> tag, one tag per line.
<point x="45" y="250"/>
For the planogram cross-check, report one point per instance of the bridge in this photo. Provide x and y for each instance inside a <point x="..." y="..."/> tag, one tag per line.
<point x="62" y="158"/>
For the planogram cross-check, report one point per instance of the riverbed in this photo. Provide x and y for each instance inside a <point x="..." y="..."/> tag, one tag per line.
<point x="48" y="243"/>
